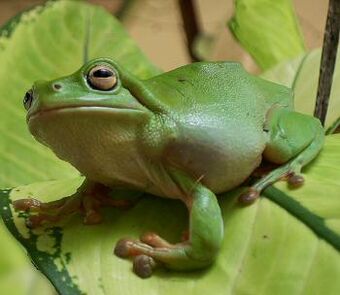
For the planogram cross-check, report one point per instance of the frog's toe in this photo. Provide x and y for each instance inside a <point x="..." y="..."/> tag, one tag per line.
<point x="249" y="196"/>
<point x="154" y="240"/>
<point x="92" y="217"/>
<point x="123" y="247"/>
<point x="34" y="221"/>
<point x="128" y="247"/>
<point x="143" y="266"/>
<point x="295" y="180"/>
<point x="26" y="204"/>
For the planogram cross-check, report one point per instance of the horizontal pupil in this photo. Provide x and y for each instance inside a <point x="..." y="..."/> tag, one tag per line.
<point x="102" y="73"/>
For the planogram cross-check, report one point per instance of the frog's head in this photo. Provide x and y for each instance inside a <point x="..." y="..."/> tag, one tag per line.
<point x="83" y="107"/>
<point x="95" y="85"/>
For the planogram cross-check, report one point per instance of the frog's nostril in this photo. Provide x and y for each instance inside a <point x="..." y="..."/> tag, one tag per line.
<point x="28" y="99"/>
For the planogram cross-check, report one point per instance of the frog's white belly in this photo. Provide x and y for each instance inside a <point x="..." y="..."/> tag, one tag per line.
<point x="220" y="156"/>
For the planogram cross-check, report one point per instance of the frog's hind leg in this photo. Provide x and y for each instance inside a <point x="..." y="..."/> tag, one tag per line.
<point x="204" y="238"/>
<point x="294" y="140"/>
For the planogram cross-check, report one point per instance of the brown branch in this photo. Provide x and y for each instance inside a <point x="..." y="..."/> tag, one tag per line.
<point x="328" y="59"/>
<point x="123" y="8"/>
<point x="191" y="26"/>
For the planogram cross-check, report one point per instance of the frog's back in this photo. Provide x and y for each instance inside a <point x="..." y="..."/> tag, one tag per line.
<point x="219" y="111"/>
<point x="220" y="86"/>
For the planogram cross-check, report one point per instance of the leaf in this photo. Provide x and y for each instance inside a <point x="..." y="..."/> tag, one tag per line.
<point x="54" y="40"/>
<point x="268" y="30"/>
<point x="302" y="74"/>
<point x="276" y="246"/>
<point x="44" y="43"/>
<point x="15" y="266"/>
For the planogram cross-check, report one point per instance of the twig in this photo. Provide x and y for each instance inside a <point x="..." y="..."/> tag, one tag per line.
<point x="191" y="26"/>
<point x="328" y="58"/>
<point x="124" y="7"/>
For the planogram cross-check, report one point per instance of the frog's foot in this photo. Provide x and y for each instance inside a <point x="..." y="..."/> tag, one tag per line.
<point x="87" y="200"/>
<point x="152" y="250"/>
<point x="294" y="180"/>
<point x="144" y="252"/>
<point x="202" y="242"/>
<point x="52" y="212"/>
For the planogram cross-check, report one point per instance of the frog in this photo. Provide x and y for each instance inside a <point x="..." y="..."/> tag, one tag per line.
<point x="189" y="134"/>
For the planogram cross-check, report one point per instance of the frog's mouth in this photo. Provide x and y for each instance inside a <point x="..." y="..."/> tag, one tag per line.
<point x="78" y="109"/>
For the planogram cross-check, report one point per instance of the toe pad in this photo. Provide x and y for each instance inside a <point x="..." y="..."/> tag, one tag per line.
<point x="143" y="266"/>
<point x="249" y="196"/>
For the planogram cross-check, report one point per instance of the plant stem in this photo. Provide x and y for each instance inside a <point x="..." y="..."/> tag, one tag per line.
<point x="191" y="26"/>
<point x="328" y="58"/>
<point x="124" y="7"/>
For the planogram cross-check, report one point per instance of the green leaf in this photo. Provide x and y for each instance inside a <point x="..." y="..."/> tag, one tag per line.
<point x="287" y="243"/>
<point x="268" y="30"/>
<point x="302" y="74"/>
<point x="15" y="267"/>
<point x="54" y="40"/>
<point x="44" y="43"/>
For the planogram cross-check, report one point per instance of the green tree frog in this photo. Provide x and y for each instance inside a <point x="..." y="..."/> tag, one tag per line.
<point x="187" y="134"/>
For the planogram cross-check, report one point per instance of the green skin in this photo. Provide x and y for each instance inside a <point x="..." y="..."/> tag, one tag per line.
<point x="187" y="134"/>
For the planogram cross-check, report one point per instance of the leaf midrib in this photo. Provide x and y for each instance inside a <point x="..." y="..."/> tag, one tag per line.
<point x="303" y="214"/>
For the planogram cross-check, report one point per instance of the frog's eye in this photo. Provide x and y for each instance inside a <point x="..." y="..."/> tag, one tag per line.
<point x="102" y="78"/>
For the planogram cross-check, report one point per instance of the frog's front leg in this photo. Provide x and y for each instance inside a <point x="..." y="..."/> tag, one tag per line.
<point x="294" y="140"/>
<point x="88" y="199"/>
<point x="205" y="235"/>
